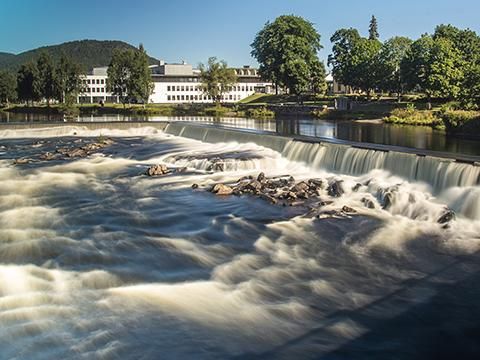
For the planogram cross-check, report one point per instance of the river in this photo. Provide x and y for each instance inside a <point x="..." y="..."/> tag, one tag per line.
<point x="375" y="132"/>
<point x="99" y="261"/>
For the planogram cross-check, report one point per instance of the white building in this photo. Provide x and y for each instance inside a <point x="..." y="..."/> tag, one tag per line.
<point x="95" y="85"/>
<point x="176" y="84"/>
<point x="180" y="83"/>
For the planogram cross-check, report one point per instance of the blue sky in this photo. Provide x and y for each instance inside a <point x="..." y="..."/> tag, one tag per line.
<point x="194" y="30"/>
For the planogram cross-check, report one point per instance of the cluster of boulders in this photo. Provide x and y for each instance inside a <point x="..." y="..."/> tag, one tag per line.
<point x="280" y="189"/>
<point x="162" y="169"/>
<point x="311" y="194"/>
<point x="86" y="149"/>
<point x="63" y="153"/>
<point x="157" y="170"/>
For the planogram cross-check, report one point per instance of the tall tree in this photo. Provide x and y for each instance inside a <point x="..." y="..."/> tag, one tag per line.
<point x="434" y="66"/>
<point x="470" y="92"/>
<point x="318" y="82"/>
<point x="467" y="42"/>
<point x="7" y="87"/>
<point x="341" y="60"/>
<point x="120" y="81"/>
<point x="355" y="59"/>
<point x="392" y="53"/>
<point x="28" y="83"/>
<point x="142" y="85"/>
<point x="68" y="78"/>
<point x="373" y="29"/>
<point x="217" y="78"/>
<point x="47" y="77"/>
<point x="289" y="43"/>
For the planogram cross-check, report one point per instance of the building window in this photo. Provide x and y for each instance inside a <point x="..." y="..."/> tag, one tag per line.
<point x="182" y="88"/>
<point x="168" y="97"/>
<point x="183" y="97"/>
<point x="102" y="81"/>
<point x="168" y="89"/>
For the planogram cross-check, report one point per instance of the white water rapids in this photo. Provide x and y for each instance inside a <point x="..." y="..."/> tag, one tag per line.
<point x="98" y="261"/>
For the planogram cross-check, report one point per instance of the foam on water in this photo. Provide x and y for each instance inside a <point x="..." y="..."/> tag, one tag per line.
<point x="99" y="261"/>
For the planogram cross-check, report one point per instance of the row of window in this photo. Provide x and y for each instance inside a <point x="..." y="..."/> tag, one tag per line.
<point x="200" y="97"/>
<point x="197" y="88"/>
<point x="98" y="90"/>
<point x="94" y="81"/>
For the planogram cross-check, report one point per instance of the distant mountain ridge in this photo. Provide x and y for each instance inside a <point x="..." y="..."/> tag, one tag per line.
<point x="89" y="53"/>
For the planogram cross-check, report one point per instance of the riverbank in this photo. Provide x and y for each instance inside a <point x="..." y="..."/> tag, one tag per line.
<point x="147" y="110"/>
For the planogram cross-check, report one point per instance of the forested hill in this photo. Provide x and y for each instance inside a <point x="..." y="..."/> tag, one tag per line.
<point x="89" y="53"/>
<point x="5" y="59"/>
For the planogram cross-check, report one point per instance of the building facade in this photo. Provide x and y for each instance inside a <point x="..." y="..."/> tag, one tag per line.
<point x="95" y="87"/>
<point x="176" y="84"/>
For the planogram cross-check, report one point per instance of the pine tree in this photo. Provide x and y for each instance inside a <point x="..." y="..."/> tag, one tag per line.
<point x="373" y="29"/>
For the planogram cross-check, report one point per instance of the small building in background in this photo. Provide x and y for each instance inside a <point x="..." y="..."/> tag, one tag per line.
<point x="336" y="88"/>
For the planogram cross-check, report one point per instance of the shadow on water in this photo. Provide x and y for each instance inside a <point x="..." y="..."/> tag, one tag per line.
<point x="428" y="327"/>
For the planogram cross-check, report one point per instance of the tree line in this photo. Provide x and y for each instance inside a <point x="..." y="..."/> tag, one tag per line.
<point x="42" y="79"/>
<point x="129" y="78"/>
<point x="445" y="64"/>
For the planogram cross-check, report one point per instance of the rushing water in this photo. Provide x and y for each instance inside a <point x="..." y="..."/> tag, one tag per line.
<point x="420" y="137"/>
<point x="98" y="261"/>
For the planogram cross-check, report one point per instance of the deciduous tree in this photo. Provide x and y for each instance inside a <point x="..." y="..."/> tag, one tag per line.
<point x="120" y="81"/>
<point x="217" y="78"/>
<point x="392" y="53"/>
<point x="142" y="85"/>
<point x="288" y="48"/>
<point x="47" y="77"/>
<point x="434" y="66"/>
<point x="68" y="77"/>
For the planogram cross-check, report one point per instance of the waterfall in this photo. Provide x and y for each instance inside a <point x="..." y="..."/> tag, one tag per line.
<point x="439" y="173"/>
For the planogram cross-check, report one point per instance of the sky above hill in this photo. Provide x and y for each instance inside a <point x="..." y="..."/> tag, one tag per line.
<point x="193" y="30"/>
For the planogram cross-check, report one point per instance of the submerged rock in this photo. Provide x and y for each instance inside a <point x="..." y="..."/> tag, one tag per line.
<point x="48" y="156"/>
<point x="21" y="161"/>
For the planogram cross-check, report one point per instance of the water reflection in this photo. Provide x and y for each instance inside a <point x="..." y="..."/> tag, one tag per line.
<point x="360" y="131"/>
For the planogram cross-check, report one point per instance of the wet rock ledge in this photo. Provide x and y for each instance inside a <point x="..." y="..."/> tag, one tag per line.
<point x="67" y="152"/>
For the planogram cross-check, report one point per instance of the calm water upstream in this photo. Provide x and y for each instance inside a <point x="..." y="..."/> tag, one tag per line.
<point x="98" y="261"/>
<point x="360" y="131"/>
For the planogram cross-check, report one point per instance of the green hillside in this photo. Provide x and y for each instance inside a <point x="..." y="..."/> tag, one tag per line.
<point x="5" y="58"/>
<point x="89" y="53"/>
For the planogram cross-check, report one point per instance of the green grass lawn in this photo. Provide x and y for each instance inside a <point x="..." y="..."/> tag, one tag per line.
<point x="269" y="99"/>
